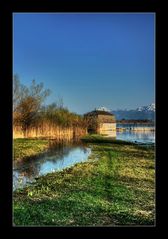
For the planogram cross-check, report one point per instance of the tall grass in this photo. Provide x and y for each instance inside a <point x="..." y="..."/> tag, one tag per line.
<point x="50" y="131"/>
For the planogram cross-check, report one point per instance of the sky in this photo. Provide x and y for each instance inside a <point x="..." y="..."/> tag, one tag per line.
<point x="88" y="59"/>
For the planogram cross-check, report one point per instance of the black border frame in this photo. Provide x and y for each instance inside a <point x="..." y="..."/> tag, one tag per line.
<point x="6" y="100"/>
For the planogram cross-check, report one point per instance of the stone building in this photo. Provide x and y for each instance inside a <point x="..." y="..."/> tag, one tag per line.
<point x="101" y="122"/>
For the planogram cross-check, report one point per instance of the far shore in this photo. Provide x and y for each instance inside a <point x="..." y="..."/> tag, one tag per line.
<point x="139" y="129"/>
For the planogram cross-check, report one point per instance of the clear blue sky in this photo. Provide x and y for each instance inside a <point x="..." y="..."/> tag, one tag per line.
<point x="89" y="60"/>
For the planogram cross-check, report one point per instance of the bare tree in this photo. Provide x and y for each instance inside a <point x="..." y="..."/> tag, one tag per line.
<point x="19" y="92"/>
<point x="27" y="102"/>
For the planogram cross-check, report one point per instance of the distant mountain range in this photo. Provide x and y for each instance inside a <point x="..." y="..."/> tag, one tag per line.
<point x="141" y="113"/>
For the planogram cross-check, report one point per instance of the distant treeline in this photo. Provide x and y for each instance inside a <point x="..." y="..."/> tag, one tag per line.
<point x="132" y="121"/>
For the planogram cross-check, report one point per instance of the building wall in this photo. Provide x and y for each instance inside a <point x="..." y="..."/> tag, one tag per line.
<point x="107" y="128"/>
<point x="102" y="124"/>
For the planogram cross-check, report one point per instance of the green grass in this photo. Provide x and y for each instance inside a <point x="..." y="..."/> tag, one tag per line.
<point x="23" y="148"/>
<point x="114" y="187"/>
<point x="99" y="139"/>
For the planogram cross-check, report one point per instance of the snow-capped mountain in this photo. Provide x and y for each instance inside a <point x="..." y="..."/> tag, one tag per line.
<point x="150" y="107"/>
<point x="142" y="112"/>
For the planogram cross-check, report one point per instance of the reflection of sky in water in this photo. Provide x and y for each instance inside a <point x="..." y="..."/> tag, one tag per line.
<point x="19" y="179"/>
<point x="58" y="159"/>
<point x="141" y="137"/>
<point x="26" y="171"/>
<point x="74" y="156"/>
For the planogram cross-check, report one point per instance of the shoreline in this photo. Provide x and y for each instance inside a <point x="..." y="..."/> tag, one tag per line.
<point x="100" y="191"/>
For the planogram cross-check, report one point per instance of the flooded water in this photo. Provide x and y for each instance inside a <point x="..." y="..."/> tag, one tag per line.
<point x="26" y="171"/>
<point x="137" y="136"/>
<point x="140" y="133"/>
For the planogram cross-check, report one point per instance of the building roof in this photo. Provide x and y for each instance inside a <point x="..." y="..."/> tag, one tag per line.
<point x="98" y="112"/>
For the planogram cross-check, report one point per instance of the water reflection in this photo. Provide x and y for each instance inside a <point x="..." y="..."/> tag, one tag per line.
<point x="138" y="136"/>
<point x="57" y="159"/>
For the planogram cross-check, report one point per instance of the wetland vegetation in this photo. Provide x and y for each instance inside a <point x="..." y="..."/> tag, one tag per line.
<point x="115" y="186"/>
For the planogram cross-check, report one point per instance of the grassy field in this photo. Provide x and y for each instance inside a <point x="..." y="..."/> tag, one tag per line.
<point x="99" y="139"/>
<point x="114" y="187"/>
<point x="23" y="148"/>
